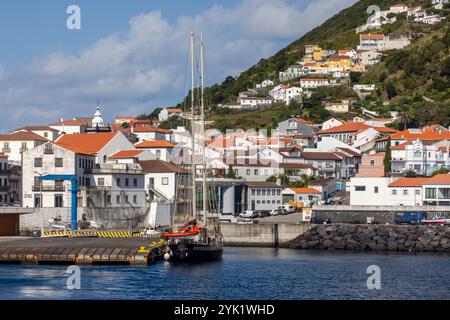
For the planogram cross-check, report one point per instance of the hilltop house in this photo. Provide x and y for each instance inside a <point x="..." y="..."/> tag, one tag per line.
<point x="166" y="113"/>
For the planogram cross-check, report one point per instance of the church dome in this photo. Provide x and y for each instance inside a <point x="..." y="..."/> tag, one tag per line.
<point x="98" y="120"/>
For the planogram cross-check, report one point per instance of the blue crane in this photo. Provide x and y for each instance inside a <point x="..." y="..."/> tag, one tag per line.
<point x="74" y="190"/>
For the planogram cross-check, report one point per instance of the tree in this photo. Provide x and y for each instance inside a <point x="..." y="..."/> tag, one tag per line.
<point x="391" y="90"/>
<point x="440" y="171"/>
<point x="231" y="174"/>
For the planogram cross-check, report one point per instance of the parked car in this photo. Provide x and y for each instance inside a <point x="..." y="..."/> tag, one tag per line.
<point x="244" y="221"/>
<point x="248" y="214"/>
<point x="227" y="218"/>
<point x="318" y="220"/>
<point x="289" y="208"/>
<point x="274" y="212"/>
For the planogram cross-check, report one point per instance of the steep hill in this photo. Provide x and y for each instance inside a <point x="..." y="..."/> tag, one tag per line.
<point x="404" y="76"/>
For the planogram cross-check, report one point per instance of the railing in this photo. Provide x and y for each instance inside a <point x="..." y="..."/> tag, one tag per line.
<point x="48" y="151"/>
<point x="6" y="150"/>
<point x="23" y="149"/>
<point x="37" y="188"/>
<point x="5" y="188"/>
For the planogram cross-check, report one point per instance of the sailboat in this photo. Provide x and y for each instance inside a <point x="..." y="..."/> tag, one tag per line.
<point x="200" y="237"/>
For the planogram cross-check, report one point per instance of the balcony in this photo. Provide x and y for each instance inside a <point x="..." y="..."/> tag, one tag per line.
<point x="23" y="150"/>
<point x="37" y="188"/>
<point x="6" y="150"/>
<point x="48" y="151"/>
<point x="5" y="188"/>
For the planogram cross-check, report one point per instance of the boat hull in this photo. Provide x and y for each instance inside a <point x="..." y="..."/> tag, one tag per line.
<point x="195" y="252"/>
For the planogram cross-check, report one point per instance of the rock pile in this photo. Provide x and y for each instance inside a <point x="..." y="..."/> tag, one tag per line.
<point x="374" y="237"/>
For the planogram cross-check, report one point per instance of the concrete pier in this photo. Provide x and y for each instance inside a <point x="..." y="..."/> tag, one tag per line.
<point x="79" y="251"/>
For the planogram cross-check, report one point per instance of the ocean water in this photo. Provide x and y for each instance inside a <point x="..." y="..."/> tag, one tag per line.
<point x="244" y="273"/>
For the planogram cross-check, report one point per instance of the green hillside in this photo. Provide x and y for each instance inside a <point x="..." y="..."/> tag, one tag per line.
<point x="402" y="78"/>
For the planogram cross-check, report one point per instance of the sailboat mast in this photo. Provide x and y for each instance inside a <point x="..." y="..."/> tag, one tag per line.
<point x="193" y="167"/>
<point x="204" y="185"/>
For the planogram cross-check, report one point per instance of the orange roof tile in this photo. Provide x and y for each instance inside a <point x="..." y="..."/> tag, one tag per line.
<point x="438" y="179"/>
<point x="372" y="36"/>
<point x="86" y="143"/>
<point x="2" y="155"/>
<point x="422" y="135"/>
<point x="125" y="154"/>
<point x="154" y="144"/>
<point x="71" y="122"/>
<point x="306" y="190"/>
<point x="22" y="136"/>
<point x="401" y="146"/>
<point x="355" y="127"/>
<point x="408" y="182"/>
<point x="174" y="110"/>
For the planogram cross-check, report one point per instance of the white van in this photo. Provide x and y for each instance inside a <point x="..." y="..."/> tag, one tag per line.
<point x="244" y="221"/>
<point x="289" y="208"/>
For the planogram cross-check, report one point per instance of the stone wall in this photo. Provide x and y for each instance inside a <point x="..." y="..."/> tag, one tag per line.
<point x="261" y="235"/>
<point x="374" y="237"/>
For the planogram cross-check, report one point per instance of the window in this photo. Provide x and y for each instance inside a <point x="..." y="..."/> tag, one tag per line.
<point x="88" y="182"/>
<point x="37" y="201"/>
<point x="101" y="182"/>
<point x="38" y="162"/>
<point x="59" y="162"/>
<point x="158" y="154"/>
<point x="360" y="188"/>
<point x="118" y="182"/>
<point x="375" y="189"/>
<point x="278" y="192"/>
<point x="135" y="182"/>
<point x="109" y="199"/>
<point x="405" y="192"/>
<point x="118" y="199"/>
<point x="417" y="192"/>
<point x="127" y="182"/>
<point x="165" y="181"/>
<point x="126" y="199"/>
<point x="247" y="172"/>
<point x="253" y="192"/>
<point x="58" y="200"/>
<point x="256" y="172"/>
<point x="430" y="193"/>
<point x="372" y="162"/>
<point x="135" y="199"/>
<point x="263" y="192"/>
<point x="258" y="192"/>
<point x="394" y="192"/>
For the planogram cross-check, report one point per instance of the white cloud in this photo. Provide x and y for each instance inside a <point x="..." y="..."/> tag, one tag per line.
<point x="146" y="67"/>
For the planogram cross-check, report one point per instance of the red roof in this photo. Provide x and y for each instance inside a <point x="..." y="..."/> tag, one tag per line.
<point x="155" y="144"/>
<point x="86" y="143"/>
<point x="421" y="135"/>
<point x="372" y="36"/>
<point x="125" y="154"/>
<point x="301" y="120"/>
<point x="408" y="182"/>
<point x="399" y="5"/>
<point x="2" y="155"/>
<point x="438" y="179"/>
<point x="355" y="127"/>
<point x="306" y="190"/>
<point x="174" y="110"/>
<point x="22" y="136"/>
<point x="71" y="122"/>
<point x="401" y="146"/>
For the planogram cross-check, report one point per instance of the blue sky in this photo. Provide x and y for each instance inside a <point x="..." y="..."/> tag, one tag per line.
<point x="131" y="55"/>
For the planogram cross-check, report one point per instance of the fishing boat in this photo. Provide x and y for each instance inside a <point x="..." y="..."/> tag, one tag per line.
<point x="199" y="238"/>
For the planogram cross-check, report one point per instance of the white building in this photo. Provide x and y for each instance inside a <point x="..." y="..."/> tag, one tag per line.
<point x="338" y="107"/>
<point x="161" y="150"/>
<point x="292" y="72"/>
<point x="286" y="93"/>
<point x="101" y="145"/>
<point x="398" y="8"/>
<point x="152" y="133"/>
<point x="50" y="158"/>
<point x="166" y="113"/>
<point x="43" y="131"/>
<point x="71" y="126"/>
<point x="311" y="83"/>
<point x="256" y="102"/>
<point x="14" y="144"/>
<point x="331" y="123"/>
<point x="4" y="183"/>
<point x="264" y="84"/>
<point x="264" y="196"/>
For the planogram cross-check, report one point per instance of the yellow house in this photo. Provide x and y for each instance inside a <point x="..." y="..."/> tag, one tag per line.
<point x="339" y="61"/>
<point x="313" y="52"/>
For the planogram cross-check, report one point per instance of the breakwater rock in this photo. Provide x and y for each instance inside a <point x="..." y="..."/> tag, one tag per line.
<point x="374" y="237"/>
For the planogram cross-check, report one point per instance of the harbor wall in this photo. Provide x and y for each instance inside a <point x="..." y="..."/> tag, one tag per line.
<point x="378" y="214"/>
<point x="261" y="235"/>
<point x="374" y="238"/>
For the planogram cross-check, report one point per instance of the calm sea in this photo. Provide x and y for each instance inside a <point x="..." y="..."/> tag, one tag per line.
<point x="244" y="273"/>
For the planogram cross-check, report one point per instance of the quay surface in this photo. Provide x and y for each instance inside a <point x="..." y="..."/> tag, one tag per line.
<point x="80" y="251"/>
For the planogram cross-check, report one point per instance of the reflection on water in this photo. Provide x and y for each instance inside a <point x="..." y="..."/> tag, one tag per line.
<point x="244" y="273"/>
